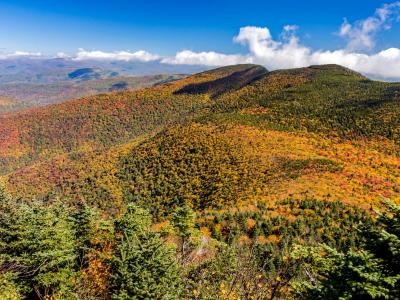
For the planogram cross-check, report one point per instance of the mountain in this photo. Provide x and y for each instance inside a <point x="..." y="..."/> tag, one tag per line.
<point x="233" y="183"/>
<point x="35" y="94"/>
<point x="229" y="136"/>
<point x="241" y="76"/>
<point x="53" y="70"/>
<point x="101" y="120"/>
<point x="41" y="81"/>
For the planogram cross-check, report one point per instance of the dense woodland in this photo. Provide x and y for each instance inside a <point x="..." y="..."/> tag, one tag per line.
<point x="235" y="183"/>
<point x="306" y="249"/>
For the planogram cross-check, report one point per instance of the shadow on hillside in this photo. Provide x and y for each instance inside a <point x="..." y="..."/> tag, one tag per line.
<point x="228" y="83"/>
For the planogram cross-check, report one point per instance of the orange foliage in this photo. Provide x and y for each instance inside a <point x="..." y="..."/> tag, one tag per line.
<point x="250" y="223"/>
<point x="273" y="238"/>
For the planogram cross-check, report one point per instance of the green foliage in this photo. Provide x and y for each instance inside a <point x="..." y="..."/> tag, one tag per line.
<point x="84" y="222"/>
<point x="370" y="271"/>
<point x="192" y="165"/>
<point x="303" y="221"/>
<point x="203" y="281"/>
<point x="183" y="220"/>
<point x="143" y="266"/>
<point x="38" y="246"/>
<point x="354" y="274"/>
<point x="327" y="99"/>
<point x="9" y="289"/>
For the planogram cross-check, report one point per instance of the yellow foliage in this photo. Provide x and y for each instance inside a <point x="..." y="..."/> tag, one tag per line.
<point x="273" y="238"/>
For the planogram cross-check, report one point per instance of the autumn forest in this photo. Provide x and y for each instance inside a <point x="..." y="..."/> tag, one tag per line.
<point x="233" y="183"/>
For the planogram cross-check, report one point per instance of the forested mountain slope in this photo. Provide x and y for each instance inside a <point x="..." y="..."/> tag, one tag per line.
<point x="97" y="121"/>
<point x="323" y="131"/>
<point x="235" y="183"/>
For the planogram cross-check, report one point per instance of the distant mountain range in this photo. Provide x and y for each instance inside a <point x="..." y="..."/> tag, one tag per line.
<point x="40" y="70"/>
<point x="25" y="95"/>
<point x="30" y="82"/>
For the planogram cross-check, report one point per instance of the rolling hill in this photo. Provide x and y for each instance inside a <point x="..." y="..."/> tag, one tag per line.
<point x="232" y="136"/>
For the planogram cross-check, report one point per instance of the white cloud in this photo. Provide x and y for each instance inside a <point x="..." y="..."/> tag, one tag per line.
<point x="291" y="53"/>
<point x="274" y="54"/>
<point x="187" y="57"/>
<point x="23" y="53"/>
<point x="288" y="52"/>
<point x="17" y="54"/>
<point x="62" y="55"/>
<point x="289" y="28"/>
<point x="361" y="34"/>
<point x="384" y="64"/>
<point x="141" y="55"/>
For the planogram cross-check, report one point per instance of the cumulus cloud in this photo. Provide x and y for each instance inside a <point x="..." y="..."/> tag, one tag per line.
<point x="290" y="28"/>
<point x="361" y="34"/>
<point x="285" y="51"/>
<point x="274" y="54"/>
<point x="289" y="52"/>
<point x="187" y="57"/>
<point x="384" y="64"/>
<point x="141" y="55"/>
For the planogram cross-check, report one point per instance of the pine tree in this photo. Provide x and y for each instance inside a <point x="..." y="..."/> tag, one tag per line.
<point x="84" y="219"/>
<point x="143" y="266"/>
<point x="37" y="245"/>
<point x="183" y="221"/>
<point x="371" y="271"/>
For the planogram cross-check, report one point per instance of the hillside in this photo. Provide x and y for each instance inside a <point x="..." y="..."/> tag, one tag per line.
<point x="320" y="99"/>
<point x="241" y="76"/>
<point x="8" y="104"/>
<point x="235" y="183"/>
<point x="97" y="121"/>
<point x="324" y="131"/>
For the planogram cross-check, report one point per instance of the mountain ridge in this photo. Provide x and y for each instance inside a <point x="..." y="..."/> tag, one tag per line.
<point x="295" y="130"/>
<point x="277" y="82"/>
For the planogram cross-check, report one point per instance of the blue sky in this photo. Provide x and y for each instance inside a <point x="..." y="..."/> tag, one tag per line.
<point x="168" y="26"/>
<point x="363" y="35"/>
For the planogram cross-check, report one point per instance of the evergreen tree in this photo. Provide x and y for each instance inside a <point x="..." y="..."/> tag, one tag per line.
<point x="37" y="246"/>
<point x="84" y="219"/>
<point x="143" y="266"/>
<point x="369" y="272"/>
<point x="183" y="221"/>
